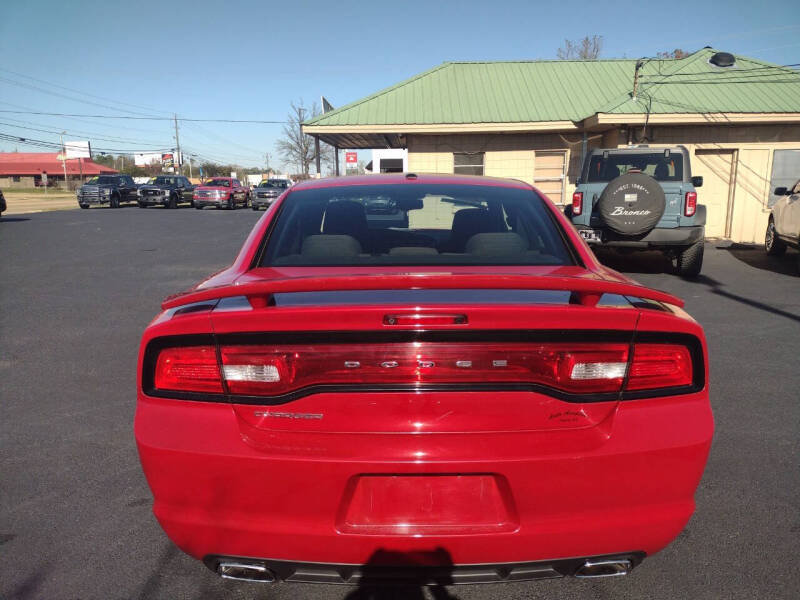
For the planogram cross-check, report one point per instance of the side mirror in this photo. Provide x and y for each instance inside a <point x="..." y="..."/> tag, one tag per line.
<point x="781" y="191"/>
<point x="697" y="181"/>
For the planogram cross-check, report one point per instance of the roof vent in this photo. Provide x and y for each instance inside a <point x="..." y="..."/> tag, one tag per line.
<point x="722" y="59"/>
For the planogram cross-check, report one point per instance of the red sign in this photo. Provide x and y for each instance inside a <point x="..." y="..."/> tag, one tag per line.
<point x="351" y="157"/>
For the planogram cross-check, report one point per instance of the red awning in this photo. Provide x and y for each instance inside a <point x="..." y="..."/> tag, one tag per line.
<point x="36" y="163"/>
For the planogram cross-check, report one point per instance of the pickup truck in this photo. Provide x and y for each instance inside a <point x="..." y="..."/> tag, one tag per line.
<point x="642" y="197"/>
<point x="107" y="189"/>
<point x="166" y="190"/>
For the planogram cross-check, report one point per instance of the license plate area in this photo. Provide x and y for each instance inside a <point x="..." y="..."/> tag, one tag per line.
<point x="427" y="505"/>
<point x="593" y="236"/>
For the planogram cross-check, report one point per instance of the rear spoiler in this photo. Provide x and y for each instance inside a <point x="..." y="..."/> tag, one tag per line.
<point x="586" y="291"/>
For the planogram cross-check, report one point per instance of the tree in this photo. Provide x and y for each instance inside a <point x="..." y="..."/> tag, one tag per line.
<point x="677" y="53"/>
<point x="588" y="48"/>
<point x="297" y="147"/>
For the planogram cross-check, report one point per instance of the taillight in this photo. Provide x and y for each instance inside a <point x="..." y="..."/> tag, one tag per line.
<point x="657" y="366"/>
<point x="580" y="369"/>
<point x="572" y="368"/>
<point x="577" y="203"/>
<point x="690" y="206"/>
<point x="188" y="369"/>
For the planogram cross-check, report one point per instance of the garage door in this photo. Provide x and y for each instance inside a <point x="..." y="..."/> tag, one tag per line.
<point x="549" y="168"/>
<point x="716" y="167"/>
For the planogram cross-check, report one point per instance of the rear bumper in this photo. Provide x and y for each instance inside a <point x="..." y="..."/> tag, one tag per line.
<point x="656" y="238"/>
<point x="624" y="485"/>
<point x="407" y="572"/>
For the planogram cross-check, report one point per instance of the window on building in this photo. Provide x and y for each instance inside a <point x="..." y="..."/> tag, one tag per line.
<point x="391" y="165"/>
<point x="549" y="171"/>
<point x="15" y="178"/>
<point x="468" y="163"/>
<point x="785" y="171"/>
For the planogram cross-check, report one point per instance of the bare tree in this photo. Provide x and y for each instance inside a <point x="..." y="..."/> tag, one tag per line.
<point x="588" y="48"/>
<point x="677" y="53"/>
<point x="296" y="147"/>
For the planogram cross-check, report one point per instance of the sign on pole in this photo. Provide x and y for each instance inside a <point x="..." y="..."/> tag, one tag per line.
<point x="351" y="158"/>
<point x="77" y="150"/>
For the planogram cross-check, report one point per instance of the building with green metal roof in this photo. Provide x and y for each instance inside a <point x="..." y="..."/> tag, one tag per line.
<point x="534" y="120"/>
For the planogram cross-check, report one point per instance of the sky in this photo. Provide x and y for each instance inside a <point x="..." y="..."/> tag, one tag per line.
<point x="244" y="59"/>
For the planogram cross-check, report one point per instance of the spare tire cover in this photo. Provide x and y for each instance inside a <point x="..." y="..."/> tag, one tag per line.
<point x="632" y="204"/>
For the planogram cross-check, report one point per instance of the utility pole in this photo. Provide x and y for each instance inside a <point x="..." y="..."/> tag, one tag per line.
<point x="178" y="146"/>
<point x="639" y="65"/>
<point x="64" y="161"/>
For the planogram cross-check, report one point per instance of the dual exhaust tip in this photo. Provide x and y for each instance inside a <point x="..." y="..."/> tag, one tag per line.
<point x="242" y="571"/>
<point x="592" y="569"/>
<point x="259" y="573"/>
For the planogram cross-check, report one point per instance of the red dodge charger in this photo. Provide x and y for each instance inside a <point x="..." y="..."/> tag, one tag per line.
<point x="419" y="378"/>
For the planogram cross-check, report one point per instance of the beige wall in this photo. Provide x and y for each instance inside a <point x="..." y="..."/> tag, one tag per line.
<point x="506" y="155"/>
<point x="753" y="148"/>
<point x="514" y="156"/>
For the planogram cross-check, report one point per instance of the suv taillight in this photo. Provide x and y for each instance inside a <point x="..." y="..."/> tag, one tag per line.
<point x="577" y="203"/>
<point x="690" y="206"/>
<point x="570" y="368"/>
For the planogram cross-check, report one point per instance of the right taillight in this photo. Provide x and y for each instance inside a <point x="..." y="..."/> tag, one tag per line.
<point x="656" y="366"/>
<point x="577" y="203"/>
<point x="690" y="206"/>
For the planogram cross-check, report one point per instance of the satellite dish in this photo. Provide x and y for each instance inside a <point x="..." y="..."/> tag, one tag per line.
<point x="722" y="59"/>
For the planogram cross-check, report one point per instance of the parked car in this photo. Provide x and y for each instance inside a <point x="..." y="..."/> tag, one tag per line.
<point x="266" y="192"/>
<point x="222" y="192"/>
<point x="107" y="189"/>
<point x="473" y="394"/>
<point x="166" y="190"/>
<point x="642" y="198"/>
<point x="783" y="228"/>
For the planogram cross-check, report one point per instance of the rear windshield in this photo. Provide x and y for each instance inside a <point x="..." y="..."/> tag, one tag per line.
<point x="434" y="224"/>
<point x="658" y="166"/>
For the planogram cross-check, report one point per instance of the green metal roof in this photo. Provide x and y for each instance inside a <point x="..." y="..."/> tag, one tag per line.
<point x="547" y="90"/>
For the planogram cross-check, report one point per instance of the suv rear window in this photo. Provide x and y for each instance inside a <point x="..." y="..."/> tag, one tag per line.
<point x="425" y="224"/>
<point x="655" y="164"/>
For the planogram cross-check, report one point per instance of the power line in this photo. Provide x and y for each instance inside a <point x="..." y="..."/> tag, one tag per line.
<point x="55" y="145"/>
<point x="73" y="99"/>
<point x="52" y="114"/>
<point x="96" y="137"/>
<point x="81" y="92"/>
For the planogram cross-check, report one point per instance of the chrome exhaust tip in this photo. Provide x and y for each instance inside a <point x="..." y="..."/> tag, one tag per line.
<point x="242" y="571"/>
<point x="604" y="568"/>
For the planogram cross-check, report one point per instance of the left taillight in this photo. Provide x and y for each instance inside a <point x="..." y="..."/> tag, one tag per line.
<point x="577" y="203"/>
<point x="188" y="369"/>
<point x="690" y="205"/>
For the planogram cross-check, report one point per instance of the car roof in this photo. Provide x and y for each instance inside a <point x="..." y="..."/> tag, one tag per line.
<point x="410" y="179"/>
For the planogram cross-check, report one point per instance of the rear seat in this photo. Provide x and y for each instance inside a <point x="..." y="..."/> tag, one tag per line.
<point x="328" y="246"/>
<point x="412" y="251"/>
<point x="496" y="244"/>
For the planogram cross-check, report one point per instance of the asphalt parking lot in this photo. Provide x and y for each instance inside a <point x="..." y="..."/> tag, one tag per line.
<point x="78" y="287"/>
